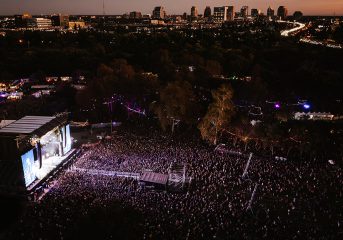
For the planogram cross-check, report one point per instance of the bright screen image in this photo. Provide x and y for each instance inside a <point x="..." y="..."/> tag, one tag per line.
<point x="68" y="140"/>
<point x="28" y="167"/>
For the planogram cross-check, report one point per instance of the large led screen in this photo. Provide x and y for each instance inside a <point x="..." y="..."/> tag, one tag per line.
<point x="68" y="140"/>
<point x="28" y="167"/>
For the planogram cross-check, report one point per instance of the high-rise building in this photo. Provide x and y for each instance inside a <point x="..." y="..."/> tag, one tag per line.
<point x="230" y="14"/>
<point x="60" y="20"/>
<point x="297" y="15"/>
<point x="220" y="14"/>
<point x="39" y="23"/>
<point x="282" y="12"/>
<point x="255" y="12"/>
<point x="194" y="12"/>
<point x="270" y="12"/>
<point x="20" y="21"/>
<point x="159" y="13"/>
<point x="135" y="15"/>
<point x="244" y="11"/>
<point x="207" y="12"/>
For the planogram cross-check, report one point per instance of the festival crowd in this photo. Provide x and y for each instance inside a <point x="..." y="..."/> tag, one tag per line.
<point x="293" y="199"/>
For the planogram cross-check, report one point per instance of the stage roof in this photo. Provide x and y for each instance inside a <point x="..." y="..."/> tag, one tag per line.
<point x="4" y="123"/>
<point x="26" y="125"/>
<point x="29" y="125"/>
<point x="154" y="178"/>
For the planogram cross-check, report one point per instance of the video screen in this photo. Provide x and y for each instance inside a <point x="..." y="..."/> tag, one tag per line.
<point x="67" y="146"/>
<point x="51" y="152"/>
<point x="29" y="167"/>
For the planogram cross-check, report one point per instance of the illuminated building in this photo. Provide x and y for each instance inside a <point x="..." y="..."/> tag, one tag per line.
<point x="77" y="24"/>
<point x="194" y="12"/>
<point x="220" y="14"/>
<point x="282" y="12"/>
<point x="159" y="13"/>
<point x="223" y="14"/>
<point x="315" y="116"/>
<point x="32" y="148"/>
<point x="41" y="23"/>
<point x="3" y="87"/>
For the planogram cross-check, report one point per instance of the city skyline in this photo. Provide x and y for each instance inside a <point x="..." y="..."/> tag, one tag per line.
<point x="308" y="7"/>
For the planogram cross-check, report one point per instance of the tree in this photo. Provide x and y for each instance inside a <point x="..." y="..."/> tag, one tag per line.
<point x="177" y="103"/>
<point x="218" y="115"/>
<point x="338" y="33"/>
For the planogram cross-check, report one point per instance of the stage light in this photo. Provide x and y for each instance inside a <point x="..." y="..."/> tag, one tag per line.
<point x="277" y="105"/>
<point x="306" y="106"/>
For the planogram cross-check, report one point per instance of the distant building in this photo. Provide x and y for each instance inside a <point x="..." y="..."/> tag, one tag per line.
<point x="244" y="11"/>
<point x="220" y="14"/>
<point x="270" y="12"/>
<point x="40" y="23"/>
<point x="60" y="20"/>
<point x="135" y="15"/>
<point x="3" y="87"/>
<point x="15" y="96"/>
<point x="223" y="14"/>
<point x="282" y="12"/>
<point x="255" y="12"/>
<point x="157" y="22"/>
<point x="194" y="12"/>
<point x="125" y="16"/>
<point x="20" y="21"/>
<point x="317" y="116"/>
<point x="297" y="15"/>
<point x="77" y="24"/>
<point x="177" y="18"/>
<point x="159" y="13"/>
<point x="230" y="15"/>
<point x="207" y="12"/>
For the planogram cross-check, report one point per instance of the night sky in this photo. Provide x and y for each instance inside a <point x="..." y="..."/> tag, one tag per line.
<point x="308" y="7"/>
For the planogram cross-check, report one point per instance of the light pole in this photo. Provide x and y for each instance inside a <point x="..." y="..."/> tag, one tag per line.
<point x="110" y="109"/>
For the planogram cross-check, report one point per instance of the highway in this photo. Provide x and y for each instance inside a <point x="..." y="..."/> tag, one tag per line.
<point x="321" y="43"/>
<point x="298" y="26"/>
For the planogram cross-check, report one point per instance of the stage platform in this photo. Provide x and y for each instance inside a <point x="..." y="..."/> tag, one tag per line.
<point x="51" y="168"/>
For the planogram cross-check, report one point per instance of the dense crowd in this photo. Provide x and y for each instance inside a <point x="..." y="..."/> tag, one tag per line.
<point x="293" y="200"/>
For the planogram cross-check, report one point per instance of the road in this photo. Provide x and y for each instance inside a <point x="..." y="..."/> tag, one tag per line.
<point x="297" y="27"/>
<point x="321" y="43"/>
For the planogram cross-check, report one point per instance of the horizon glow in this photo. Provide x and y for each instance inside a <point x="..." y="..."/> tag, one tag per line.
<point x="114" y="7"/>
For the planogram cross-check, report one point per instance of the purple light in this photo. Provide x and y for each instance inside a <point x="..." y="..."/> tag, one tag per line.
<point x="277" y="105"/>
<point x="306" y="106"/>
